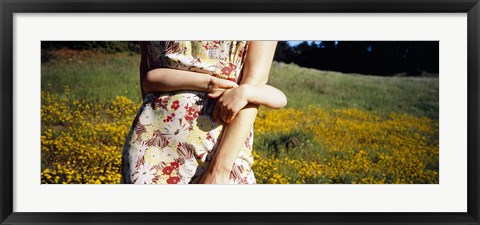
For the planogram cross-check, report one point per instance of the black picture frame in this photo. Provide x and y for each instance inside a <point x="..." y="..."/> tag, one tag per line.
<point x="9" y="7"/>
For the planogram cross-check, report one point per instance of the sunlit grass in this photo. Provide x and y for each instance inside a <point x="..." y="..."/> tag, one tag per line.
<point x="417" y="96"/>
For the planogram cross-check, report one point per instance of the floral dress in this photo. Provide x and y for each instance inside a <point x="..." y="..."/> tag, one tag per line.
<point x="173" y="137"/>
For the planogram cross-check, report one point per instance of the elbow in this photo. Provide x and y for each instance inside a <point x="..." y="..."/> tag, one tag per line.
<point x="281" y="102"/>
<point x="148" y="81"/>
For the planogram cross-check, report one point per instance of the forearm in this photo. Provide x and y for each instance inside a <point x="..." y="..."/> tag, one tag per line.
<point x="166" y="79"/>
<point x="236" y="131"/>
<point x="233" y="138"/>
<point x="265" y="95"/>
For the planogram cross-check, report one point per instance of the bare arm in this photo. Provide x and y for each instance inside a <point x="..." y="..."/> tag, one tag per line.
<point x="255" y="72"/>
<point x="233" y="100"/>
<point x="166" y="79"/>
<point x="265" y="95"/>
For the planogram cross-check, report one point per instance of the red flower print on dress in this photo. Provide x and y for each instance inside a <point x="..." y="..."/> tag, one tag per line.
<point x="139" y="130"/>
<point x="158" y="139"/>
<point x="155" y="179"/>
<point x="180" y="160"/>
<point x="206" y="46"/>
<point x="161" y="102"/>
<point x="236" y="174"/>
<point x="174" y="165"/>
<point x="194" y="61"/>
<point x="140" y="162"/>
<point x="167" y="170"/>
<point x="227" y="70"/>
<point x="144" y="174"/>
<point x="175" y="105"/>
<point x="202" y="156"/>
<point x="192" y="112"/>
<point x="158" y="167"/>
<point x="169" y="118"/>
<point x="177" y="130"/>
<point x="172" y="47"/>
<point x="209" y="137"/>
<point x="173" y="180"/>
<point x="185" y="150"/>
<point x="240" y="53"/>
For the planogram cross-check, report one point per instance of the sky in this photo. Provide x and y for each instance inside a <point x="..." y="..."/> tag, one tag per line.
<point x="295" y="43"/>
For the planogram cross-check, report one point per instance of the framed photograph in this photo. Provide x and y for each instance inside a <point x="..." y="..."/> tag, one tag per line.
<point x="381" y="124"/>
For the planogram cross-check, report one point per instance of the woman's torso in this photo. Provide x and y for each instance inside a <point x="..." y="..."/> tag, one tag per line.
<point x="173" y="137"/>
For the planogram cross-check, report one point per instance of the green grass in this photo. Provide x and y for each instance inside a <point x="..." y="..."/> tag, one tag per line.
<point x="417" y="96"/>
<point x="102" y="78"/>
<point x="94" y="77"/>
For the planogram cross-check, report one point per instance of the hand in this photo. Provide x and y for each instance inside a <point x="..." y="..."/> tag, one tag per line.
<point x="231" y="102"/>
<point x="211" y="177"/>
<point x="217" y="86"/>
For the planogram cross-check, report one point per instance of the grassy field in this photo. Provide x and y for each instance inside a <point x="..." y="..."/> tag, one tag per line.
<point x="337" y="128"/>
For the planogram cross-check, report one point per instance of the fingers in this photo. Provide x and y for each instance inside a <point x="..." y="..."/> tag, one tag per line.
<point x="215" y="94"/>
<point x="218" y="86"/>
<point x="233" y="84"/>
<point x="220" y="112"/>
<point x="228" y="113"/>
<point x="227" y="84"/>
<point x="223" y="84"/>
<point x="225" y="112"/>
<point x="227" y="106"/>
<point x="232" y="112"/>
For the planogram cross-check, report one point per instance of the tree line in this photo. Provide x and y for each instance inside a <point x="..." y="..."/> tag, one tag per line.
<point x="365" y="57"/>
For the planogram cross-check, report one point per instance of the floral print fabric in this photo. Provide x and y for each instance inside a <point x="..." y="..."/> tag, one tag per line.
<point x="173" y="137"/>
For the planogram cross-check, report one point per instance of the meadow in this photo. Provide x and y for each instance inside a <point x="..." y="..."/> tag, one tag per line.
<point x="336" y="128"/>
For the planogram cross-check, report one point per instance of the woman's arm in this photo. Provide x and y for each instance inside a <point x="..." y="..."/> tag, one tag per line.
<point x="265" y="95"/>
<point x="255" y="72"/>
<point x="237" y="98"/>
<point x="166" y="79"/>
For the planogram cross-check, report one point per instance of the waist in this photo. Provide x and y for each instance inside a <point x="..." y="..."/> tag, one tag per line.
<point x="154" y="96"/>
<point x="181" y="101"/>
